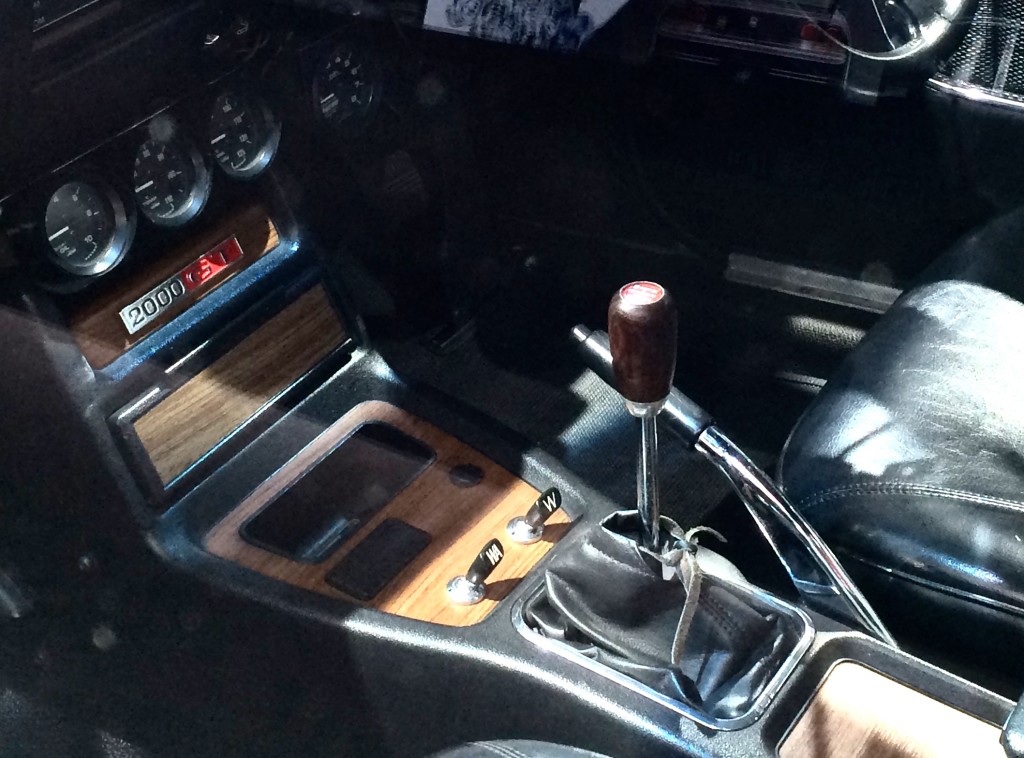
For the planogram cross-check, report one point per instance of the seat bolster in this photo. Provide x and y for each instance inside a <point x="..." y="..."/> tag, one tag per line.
<point x="911" y="459"/>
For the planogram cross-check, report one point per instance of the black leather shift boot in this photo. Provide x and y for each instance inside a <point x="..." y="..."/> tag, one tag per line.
<point x="609" y="600"/>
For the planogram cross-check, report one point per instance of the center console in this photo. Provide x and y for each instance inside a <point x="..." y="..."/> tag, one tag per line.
<point x="411" y="507"/>
<point x="362" y="505"/>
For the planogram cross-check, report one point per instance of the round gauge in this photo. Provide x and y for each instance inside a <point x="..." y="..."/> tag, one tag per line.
<point x="171" y="181"/>
<point x="86" y="227"/>
<point x="345" y="87"/>
<point x="243" y="135"/>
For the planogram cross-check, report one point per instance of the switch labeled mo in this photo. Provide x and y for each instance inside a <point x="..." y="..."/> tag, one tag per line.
<point x="471" y="588"/>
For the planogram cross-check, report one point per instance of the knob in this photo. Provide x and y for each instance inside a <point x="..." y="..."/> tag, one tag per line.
<point x="471" y="588"/>
<point x="642" y="329"/>
<point x="530" y="528"/>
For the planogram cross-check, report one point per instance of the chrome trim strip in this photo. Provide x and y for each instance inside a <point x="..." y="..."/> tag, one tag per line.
<point x="798" y="76"/>
<point x="810" y="284"/>
<point x="704" y="60"/>
<point x="685" y="710"/>
<point x="974" y="93"/>
<point x="697" y="36"/>
<point x="39" y="25"/>
<point x="138" y="406"/>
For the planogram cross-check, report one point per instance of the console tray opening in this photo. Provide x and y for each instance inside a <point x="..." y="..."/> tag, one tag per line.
<point x="309" y="520"/>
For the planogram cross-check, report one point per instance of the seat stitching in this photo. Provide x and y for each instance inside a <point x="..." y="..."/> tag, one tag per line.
<point x="906" y="488"/>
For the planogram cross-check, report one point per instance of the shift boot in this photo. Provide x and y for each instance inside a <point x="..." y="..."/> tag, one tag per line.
<point x="694" y="637"/>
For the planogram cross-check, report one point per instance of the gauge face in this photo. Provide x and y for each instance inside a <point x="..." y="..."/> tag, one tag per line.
<point x="243" y="135"/>
<point x="171" y="182"/>
<point x="86" y="228"/>
<point x="345" y="87"/>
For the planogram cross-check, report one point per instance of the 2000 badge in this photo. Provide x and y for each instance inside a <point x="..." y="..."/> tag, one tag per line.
<point x="158" y="300"/>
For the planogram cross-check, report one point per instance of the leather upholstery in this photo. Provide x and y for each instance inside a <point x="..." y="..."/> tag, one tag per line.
<point x="516" y="749"/>
<point x="611" y="602"/>
<point x="911" y="460"/>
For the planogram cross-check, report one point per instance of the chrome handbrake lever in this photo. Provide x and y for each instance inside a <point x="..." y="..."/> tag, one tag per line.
<point x="814" y="569"/>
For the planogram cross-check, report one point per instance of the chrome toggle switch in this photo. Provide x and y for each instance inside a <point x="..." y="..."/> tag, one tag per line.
<point x="530" y="528"/>
<point x="471" y="588"/>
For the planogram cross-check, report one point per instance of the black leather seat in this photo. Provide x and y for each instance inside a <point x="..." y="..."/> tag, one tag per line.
<point x="515" y="749"/>
<point x="911" y="460"/>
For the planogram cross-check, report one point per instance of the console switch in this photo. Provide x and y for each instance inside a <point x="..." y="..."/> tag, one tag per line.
<point x="471" y="588"/>
<point x="530" y="528"/>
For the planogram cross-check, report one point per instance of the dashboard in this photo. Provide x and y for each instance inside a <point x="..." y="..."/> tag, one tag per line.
<point x="61" y="53"/>
<point x="197" y="133"/>
<point x="188" y="161"/>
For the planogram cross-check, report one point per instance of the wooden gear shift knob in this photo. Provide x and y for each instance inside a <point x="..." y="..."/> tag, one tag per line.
<point x="642" y="330"/>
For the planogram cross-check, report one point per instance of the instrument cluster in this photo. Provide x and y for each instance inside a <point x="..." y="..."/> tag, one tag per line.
<point x="160" y="174"/>
<point x="145" y="188"/>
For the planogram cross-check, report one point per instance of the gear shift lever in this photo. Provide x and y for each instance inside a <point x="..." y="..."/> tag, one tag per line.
<point x="642" y="328"/>
<point x="815" y="570"/>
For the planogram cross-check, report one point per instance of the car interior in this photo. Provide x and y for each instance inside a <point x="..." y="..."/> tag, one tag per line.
<point x="518" y="378"/>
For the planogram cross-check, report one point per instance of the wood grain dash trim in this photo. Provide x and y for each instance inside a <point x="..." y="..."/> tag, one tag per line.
<point x="459" y="521"/>
<point x="859" y="713"/>
<point x="98" y="329"/>
<point x="182" y="427"/>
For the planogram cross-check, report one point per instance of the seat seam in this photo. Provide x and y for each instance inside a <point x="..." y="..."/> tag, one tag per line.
<point x="965" y="596"/>
<point x="907" y="488"/>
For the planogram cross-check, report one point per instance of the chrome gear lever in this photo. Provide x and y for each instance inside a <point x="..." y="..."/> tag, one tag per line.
<point x="642" y="327"/>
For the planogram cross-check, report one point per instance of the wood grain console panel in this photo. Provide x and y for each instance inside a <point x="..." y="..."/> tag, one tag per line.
<point x="98" y="328"/>
<point x="182" y="427"/>
<point x="858" y="712"/>
<point x="459" y="520"/>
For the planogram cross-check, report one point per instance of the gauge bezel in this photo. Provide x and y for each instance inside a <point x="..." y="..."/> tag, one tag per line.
<point x="269" y="149"/>
<point x="200" y="189"/>
<point x="120" y="241"/>
<point x="349" y="127"/>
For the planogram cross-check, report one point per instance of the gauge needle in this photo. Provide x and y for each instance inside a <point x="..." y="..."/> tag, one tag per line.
<point x="55" y="235"/>
<point x="147" y="185"/>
